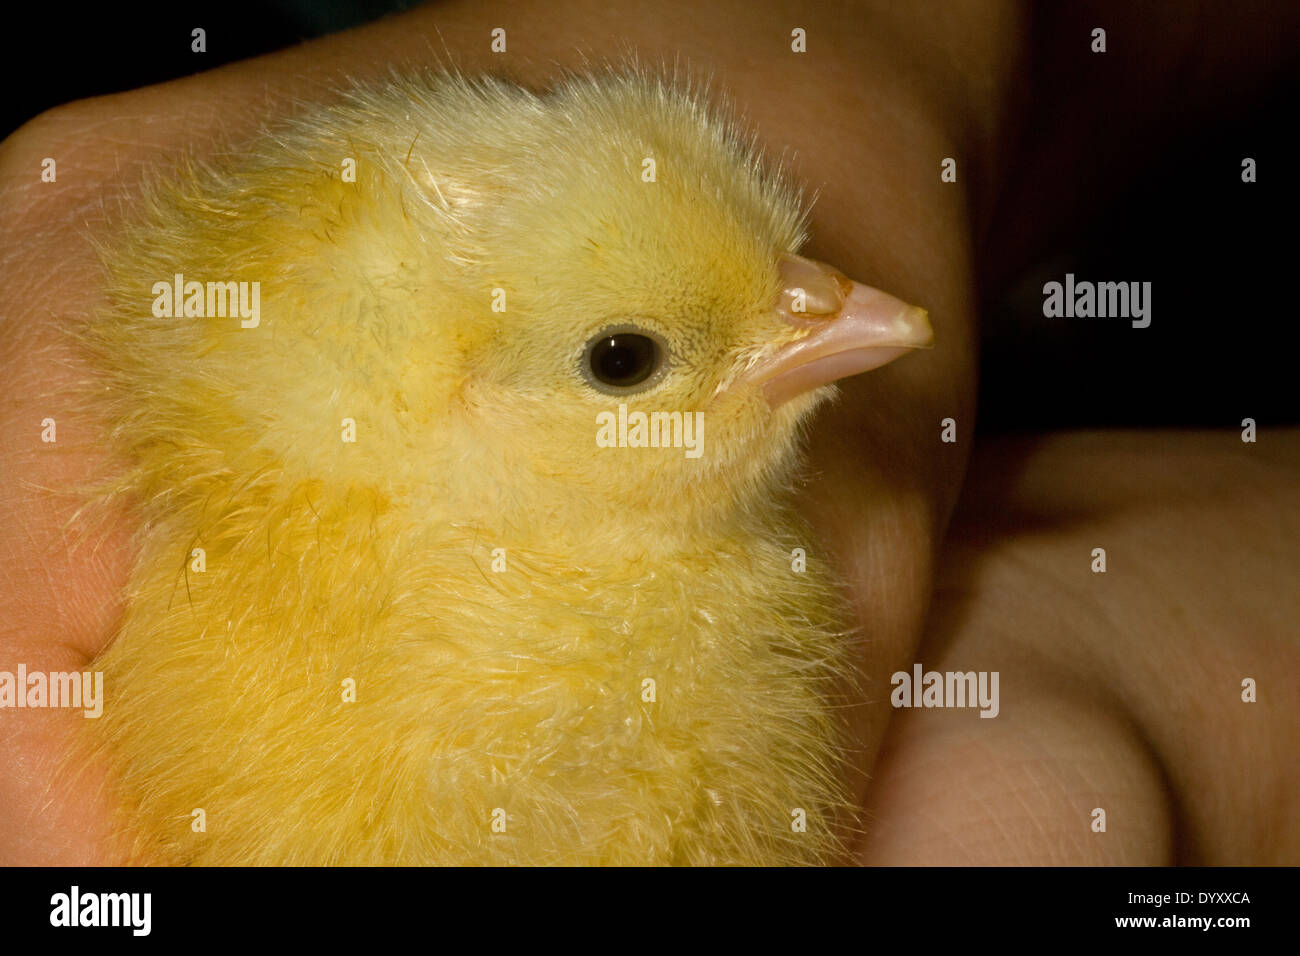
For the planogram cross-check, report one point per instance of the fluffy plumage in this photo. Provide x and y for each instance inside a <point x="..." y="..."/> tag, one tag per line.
<point x="482" y="695"/>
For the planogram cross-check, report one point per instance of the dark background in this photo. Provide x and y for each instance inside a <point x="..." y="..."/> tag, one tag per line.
<point x="1220" y="254"/>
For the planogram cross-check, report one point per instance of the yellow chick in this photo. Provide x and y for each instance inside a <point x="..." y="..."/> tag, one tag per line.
<point x="464" y="421"/>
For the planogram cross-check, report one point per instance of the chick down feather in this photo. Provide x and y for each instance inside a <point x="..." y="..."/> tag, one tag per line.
<point x="394" y="604"/>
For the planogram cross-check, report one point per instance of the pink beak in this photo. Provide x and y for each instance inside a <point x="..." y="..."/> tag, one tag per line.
<point x="855" y="329"/>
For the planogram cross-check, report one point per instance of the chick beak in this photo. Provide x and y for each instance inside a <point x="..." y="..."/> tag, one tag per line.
<point x="854" y="328"/>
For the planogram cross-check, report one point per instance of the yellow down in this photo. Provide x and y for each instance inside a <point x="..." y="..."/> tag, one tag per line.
<point x="471" y="635"/>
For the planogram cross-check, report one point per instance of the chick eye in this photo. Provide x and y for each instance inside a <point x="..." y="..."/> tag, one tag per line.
<point x="623" y="359"/>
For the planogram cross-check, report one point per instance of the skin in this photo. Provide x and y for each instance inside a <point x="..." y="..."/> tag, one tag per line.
<point x="1119" y="691"/>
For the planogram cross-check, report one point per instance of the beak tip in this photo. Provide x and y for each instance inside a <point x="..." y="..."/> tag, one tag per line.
<point x="922" y="319"/>
<point x="914" y="328"/>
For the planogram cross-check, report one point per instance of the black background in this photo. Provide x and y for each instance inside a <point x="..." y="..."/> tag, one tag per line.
<point x="804" y="910"/>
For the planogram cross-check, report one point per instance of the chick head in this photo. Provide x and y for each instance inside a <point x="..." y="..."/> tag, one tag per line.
<point x="507" y="270"/>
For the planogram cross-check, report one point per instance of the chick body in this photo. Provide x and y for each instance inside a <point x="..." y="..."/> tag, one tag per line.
<point x="559" y="653"/>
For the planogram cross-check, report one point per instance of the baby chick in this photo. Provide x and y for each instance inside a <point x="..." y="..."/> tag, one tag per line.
<point x="394" y="602"/>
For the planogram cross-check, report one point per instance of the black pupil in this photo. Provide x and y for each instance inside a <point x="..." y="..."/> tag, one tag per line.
<point x="624" y="359"/>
